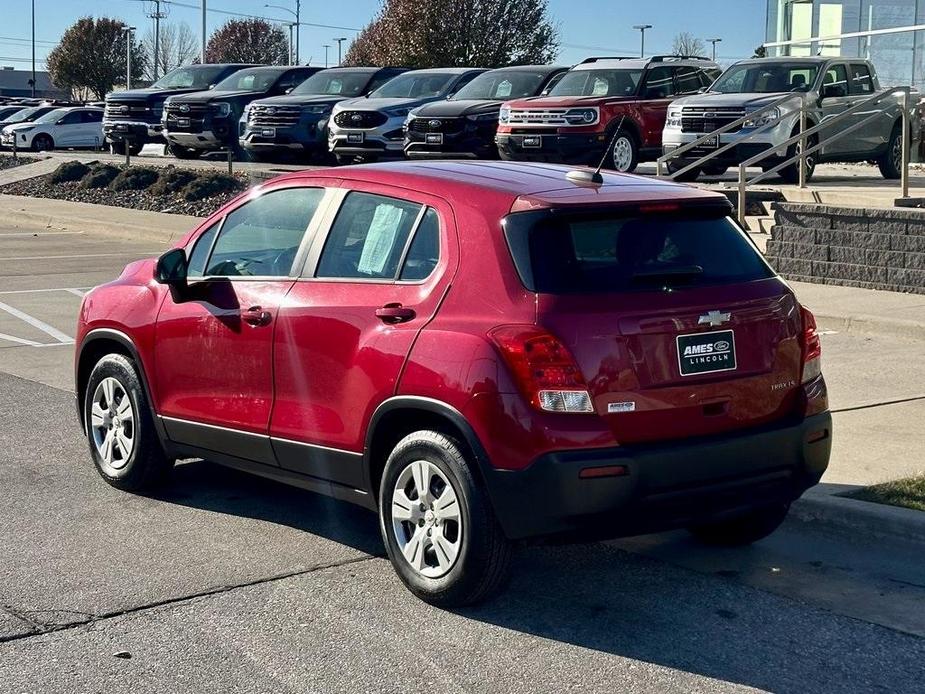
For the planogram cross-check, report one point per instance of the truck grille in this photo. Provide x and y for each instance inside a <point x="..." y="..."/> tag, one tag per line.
<point x="702" y="120"/>
<point x="436" y="125"/>
<point x="541" y="116"/>
<point x="360" y="119"/>
<point x="131" y="110"/>
<point x="195" y="113"/>
<point x="274" y="116"/>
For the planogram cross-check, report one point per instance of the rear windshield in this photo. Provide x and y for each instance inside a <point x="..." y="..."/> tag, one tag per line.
<point x="613" y="253"/>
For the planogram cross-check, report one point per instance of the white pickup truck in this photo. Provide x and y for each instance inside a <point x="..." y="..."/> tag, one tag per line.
<point x="830" y="85"/>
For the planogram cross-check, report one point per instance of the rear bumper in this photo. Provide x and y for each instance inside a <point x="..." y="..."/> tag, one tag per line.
<point x="667" y="486"/>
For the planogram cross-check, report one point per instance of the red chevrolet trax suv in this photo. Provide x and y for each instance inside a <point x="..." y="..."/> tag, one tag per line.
<point x="480" y="352"/>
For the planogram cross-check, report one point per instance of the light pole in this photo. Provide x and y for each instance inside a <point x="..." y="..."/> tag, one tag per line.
<point x="714" y="42"/>
<point x="33" y="51"/>
<point x="202" y="49"/>
<point x="340" y="42"/>
<point x="641" y="28"/>
<point x="157" y="16"/>
<point x="326" y="47"/>
<point x="298" y="8"/>
<point x="128" y="55"/>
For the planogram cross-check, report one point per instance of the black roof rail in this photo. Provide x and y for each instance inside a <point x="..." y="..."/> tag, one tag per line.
<point x="664" y="58"/>
<point x="610" y="57"/>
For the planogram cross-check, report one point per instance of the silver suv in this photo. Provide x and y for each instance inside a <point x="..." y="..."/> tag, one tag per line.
<point x="830" y="85"/>
<point x="371" y="127"/>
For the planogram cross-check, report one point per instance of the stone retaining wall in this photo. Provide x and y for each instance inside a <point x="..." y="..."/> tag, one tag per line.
<point x="855" y="247"/>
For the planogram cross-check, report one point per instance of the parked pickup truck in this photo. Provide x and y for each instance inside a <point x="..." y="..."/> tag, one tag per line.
<point x="134" y="116"/>
<point x="604" y="109"/>
<point x="202" y="121"/>
<point x="830" y="85"/>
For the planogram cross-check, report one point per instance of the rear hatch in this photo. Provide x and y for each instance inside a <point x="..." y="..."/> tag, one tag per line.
<point x="674" y="319"/>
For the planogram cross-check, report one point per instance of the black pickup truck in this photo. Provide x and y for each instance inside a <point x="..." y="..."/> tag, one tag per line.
<point x="134" y="116"/>
<point x="203" y="121"/>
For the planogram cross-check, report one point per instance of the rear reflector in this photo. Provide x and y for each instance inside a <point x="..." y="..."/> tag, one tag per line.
<point x="817" y="436"/>
<point x="590" y="473"/>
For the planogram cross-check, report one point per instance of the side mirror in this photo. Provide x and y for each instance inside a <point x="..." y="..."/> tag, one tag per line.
<point x="171" y="268"/>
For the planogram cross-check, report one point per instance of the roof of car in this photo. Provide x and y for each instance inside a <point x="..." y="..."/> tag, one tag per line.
<point x="798" y="59"/>
<point x="448" y="70"/>
<point x="532" y="68"/>
<point x="608" y="63"/>
<point x="526" y="185"/>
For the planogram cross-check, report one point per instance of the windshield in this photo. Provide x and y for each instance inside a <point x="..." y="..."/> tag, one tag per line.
<point x="502" y="85"/>
<point x="598" y="83"/>
<point x="412" y="85"/>
<point x="608" y="252"/>
<point x="7" y="112"/>
<point x="335" y="83"/>
<point x="199" y="77"/>
<point x="27" y="115"/>
<point x="253" y="80"/>
<point x="766" y="78"/>
<point x="51" y="116"/>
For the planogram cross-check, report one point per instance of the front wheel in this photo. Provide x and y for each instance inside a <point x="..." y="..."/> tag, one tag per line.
<point x="890" y="162"/>
<point x="437" y="524"/>
<point x="120" y="427"/>
<point x="742" y="530"/>
<point x="791" y="174"/>
<point x="624" y="154"/>
<point x="181" y="152"/>
<point x="42" y="143"/>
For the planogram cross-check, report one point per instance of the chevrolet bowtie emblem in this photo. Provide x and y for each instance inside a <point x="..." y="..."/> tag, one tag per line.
<point x="714" y="318"/>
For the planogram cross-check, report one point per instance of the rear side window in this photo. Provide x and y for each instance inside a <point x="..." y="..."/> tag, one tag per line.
<point x="613" y="253"/>
<point x="261" y="238"/>
<point x="424" y="251"/>
<point x="368" y="238"/>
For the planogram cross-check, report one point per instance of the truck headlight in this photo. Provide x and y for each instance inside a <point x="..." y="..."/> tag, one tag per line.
<point x="221" y="109"/>
<point x="398" y="112"/>
<point x="317" y="110"/>
<point x="765" y="118"/>
<point x="581" y="116"/>
<point x="483" y="117"/>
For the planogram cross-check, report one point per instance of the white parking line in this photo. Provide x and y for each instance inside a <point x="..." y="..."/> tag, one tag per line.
<point x="75" y="292"/>
<point x="4" y="235"/>
<point x="88" y="255"/>
<point x="36" y="323"/>
<point x="21" y="341"/>
<point x="79" y="291"/>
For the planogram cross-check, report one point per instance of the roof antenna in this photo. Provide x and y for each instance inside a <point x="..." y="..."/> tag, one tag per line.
<point x="594" y="178"/>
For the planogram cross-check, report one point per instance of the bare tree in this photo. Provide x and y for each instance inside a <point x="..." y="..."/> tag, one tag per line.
<point x="178" y="46"/>
<point x="686" y="43"/>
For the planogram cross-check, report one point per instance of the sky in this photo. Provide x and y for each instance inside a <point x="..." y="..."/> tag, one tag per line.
<point x="587" y="27"/>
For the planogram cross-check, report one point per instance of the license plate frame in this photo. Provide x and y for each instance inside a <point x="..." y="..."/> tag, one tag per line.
<point x="711" y="142"/>
<point x="355" y="138"/>
<point x="433" y="138"/>
<point x="706" y="353"/>
<point x="533" y="141"/>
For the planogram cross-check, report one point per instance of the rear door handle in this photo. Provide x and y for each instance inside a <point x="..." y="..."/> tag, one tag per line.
<point x="395" y="313"/>
<point x="256" y="317"/>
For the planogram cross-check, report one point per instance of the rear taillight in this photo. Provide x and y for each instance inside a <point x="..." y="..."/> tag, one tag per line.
<point x="811" y="346"/>
<point x="543" y="369"/>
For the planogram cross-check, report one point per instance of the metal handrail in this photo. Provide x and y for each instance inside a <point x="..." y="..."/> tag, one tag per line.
<point x="726" y="128"/>
<point x="804" y="152"/>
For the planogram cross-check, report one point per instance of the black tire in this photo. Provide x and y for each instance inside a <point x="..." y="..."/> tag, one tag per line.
<point x="117" y="148"/>
<point x="483" y="553"/>
<point x="344" y="159"/>
<point x="742" y="530"/>
<point x="890" y="162"/>
<point x="42" y="143"/>
<point x="715" y="169"/>
<point x="687" y="176"/>
<point x="624" y="152"/>
<point x="135" y="148"/>
<point x="181" y="152"/>
<point x="791" y="174"/>
<point x="146" y="465"/>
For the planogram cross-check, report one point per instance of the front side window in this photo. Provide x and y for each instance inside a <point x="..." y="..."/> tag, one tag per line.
<point x="261" y="238"/>
<point x="861" y="82"/>
<point x="835" y="81"/>
<point x="368" y="238"/>
<point x="598" y="83"/>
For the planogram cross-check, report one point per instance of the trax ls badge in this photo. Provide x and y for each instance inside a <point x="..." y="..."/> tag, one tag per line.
<point x="703" y="353"/>
<point x="714" y="318"/>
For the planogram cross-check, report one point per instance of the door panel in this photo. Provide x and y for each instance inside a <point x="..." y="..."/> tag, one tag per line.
<point x="341" y="341"/>
<point x="836" y="80"/>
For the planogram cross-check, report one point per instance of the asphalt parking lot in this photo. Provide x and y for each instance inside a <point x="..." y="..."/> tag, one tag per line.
<point x="225" y="582"/>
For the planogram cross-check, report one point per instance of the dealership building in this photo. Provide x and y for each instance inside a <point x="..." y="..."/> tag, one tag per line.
<point x="891" y="33"/>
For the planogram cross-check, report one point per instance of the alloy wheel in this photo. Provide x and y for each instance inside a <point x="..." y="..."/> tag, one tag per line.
<point x="622" y="153"/>
<point x="426" y="519"/>
<point x="112" y="425"/>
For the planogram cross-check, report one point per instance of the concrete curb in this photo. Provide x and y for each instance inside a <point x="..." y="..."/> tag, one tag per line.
<point x="116" y="222"/>
<point x="860" y="517"/>
<point x="871" y="325"/>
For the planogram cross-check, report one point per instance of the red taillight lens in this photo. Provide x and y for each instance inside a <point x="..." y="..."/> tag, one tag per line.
<point x="543" y="368"/>
<point x="812" y="347"/>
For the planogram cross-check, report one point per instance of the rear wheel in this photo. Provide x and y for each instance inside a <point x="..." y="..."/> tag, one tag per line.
<point x="120" y="427"/>
<point x="742" y="530"/>
<point x="181" y="152"/>
<point x="890" y="162"/>
<point x="437" y="524"/>
<point x="624" y="153"/>
<point x="43" y="143"/>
